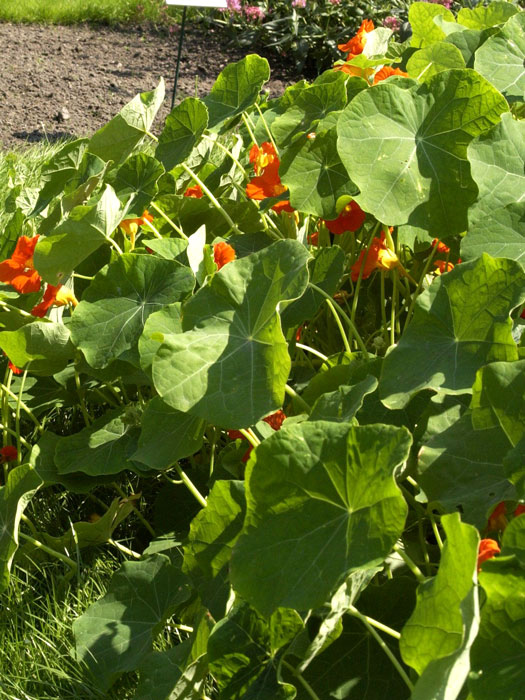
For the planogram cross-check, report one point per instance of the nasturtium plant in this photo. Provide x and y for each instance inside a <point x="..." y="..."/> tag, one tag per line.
<point x="269" y="354"/>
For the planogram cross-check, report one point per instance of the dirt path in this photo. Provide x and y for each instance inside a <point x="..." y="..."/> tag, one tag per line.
<point x="57" y="81"/>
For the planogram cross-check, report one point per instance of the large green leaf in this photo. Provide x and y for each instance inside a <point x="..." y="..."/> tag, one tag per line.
<point x="43" y="347"/>
<point x="438" y="626"/>
<point x="236" y="88"/>
<point x="135" y="182"/>
<point x="22" y="482"/>
<point x="170" y="675"/>
<point x="101" y="448"/>
<point x="159" y="325"/>
<point x="231" y="364"/>
<point x="498" y="654"/>
<point x="241" y="656"/>
<point x="460" y="323"/>
<point x="184" y="126"/>
<point x="497" y="161"/>
<point x="498" y="399"/>
<point x="322" y="502"/>
<point x="501" y="58"/>
<point x="312" y="170"/>
<point x="342" y="405"/>
<point x="167" y="435"/>
<point x="73" y="240"/>
<point x="410" y="162"/>
<point x="424" y="30"/>
<point x="425" y="63"/>
<point x="461" y="467"/>
<point x="111" y="316"/>
<point x="117" y="139"/>
<point x="486" y="16"/>
<point x="116" y="633"/>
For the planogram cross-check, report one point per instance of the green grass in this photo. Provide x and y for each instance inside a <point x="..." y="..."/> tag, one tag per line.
<point x="20" y="167"/>
<point x="74" y="11"/>
<point x="36" y="614"/>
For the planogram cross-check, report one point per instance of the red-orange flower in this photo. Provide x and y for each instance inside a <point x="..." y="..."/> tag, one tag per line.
<point x="350" y="219"/>
<point x="520" y="509"/>
<point x="376" y="256"/>
<point x="222" y="254"/>
<point x="497" y="519"/>
<point x="194" y="191"/>
<point x="54" y="296"/>
<point x="441" y="247"/>
<point x="487" y="549"/>
<point x="8" y="454"/>
<point x="386" y="72"/>
<point x="18" y="270"/>
<point x="267" y="183"/>
<point x="356" y="44"/>
<point x="443" y="266"/>
<point x="313" y="238"/>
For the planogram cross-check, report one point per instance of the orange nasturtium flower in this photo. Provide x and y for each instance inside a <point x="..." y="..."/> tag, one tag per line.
<point x="520" y="509"/>
<point x="223" y="253"/>
<point x="441" y="247"/>
<point x="350" y="219"/>
<point x="497" y="519"/>
<point x="18" y="270"/>
<point x="377" y="256"/>
<point x="131" y="226"/>
<point x="356" y="44"/>
<point x="194" y="191"/>
<point x="54" y="296"/>
<point x="386" y="72"/>
<point x="8" y="454"/>
<point x="487" y="549"/>
<point x="267" y="183"/>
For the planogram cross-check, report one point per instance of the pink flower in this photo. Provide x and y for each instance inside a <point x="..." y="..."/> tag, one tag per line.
<point x="234" y="5"/>
<point x="253" y="12"/>
<point x="445" y="3"/>
<point x="298" y="3"/>
<point x="335" y="2"/>
<point x="392" y="23"/>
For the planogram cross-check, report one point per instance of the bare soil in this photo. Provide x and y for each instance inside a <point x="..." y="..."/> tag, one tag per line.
<point x="58" y="81"/>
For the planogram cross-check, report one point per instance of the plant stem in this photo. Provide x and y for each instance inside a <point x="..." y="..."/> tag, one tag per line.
<point x="80" y="392"/>
<point x="266" y="128"/>
<point x="312" y="350"/>
<point x="137" y="512"/>
<point x="169" y="221"/>
<point x="339" y="325"/>
<point x="49" y="550"/>
<point x="347" y="318"/>
<point x="294" y="395"/>
<point x="308" y="688"/>
<point x="375" y="623"/>
<point x="435" y="529"/>
<point x="17" y="412"/>
<point x="125" y="550"/>
<point x="248" y="127"/>
<point x="188" y="483"/>
<point x="411" y="565"/>
<point x="212" y="198"/>
<point x="388" y="652"/>
<point x="251" y="437"/>
<point x="226" y="150"/>
<point x="29" y="412"/>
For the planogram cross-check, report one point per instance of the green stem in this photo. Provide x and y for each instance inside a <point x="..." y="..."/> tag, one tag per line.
<point x="137" y="512"/>
<point x="388" y="652"/>
<point x="188" y="483"/>
<point x="10" y="307"/>
<point x="17" y="412"/>
<point x="411" y="565"/>
<point x="307" y="348"/>
<point x="212" y="198"/>
<point x="80" y="392"/>
<point x="250" y="436"/>
<point x="149" y="226"/>
<point x="29" y="412"/>
<point x="52" y="552"/>
<point x="152" y="136"/>
<point x="339" y="325"/>
<point x="435" y="529"/>
<point x="375" y="623"/>
<point x="115" y="245"/>
<point x="7" y="429"/>
<point x="297" y="674"/>
<point x="248" y="127"/>
<point x="299" y="399"/>
<point x="169" y="221"/>
<point x="266" y="128"/>
<point x="393" y="310"/>
<point x="124" y="549"/>
<point x="347" y="318"/>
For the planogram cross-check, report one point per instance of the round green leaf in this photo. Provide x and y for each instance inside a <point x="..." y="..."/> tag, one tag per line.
<point x="424" y="30"/>
<point x="322" y="502"/>
<point x="184" y="127"/>
<point x="460" y="323"/>
<point x="135" y="182"/>
<point x="231" y="364"/>
<point x="433" y="59"/>
<point x="111" y="316"/>
<point x="44" y="344"/>
<point x="501" y="59"/>
<point x="486" y="16"/>
<point x="405" y="147"/>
